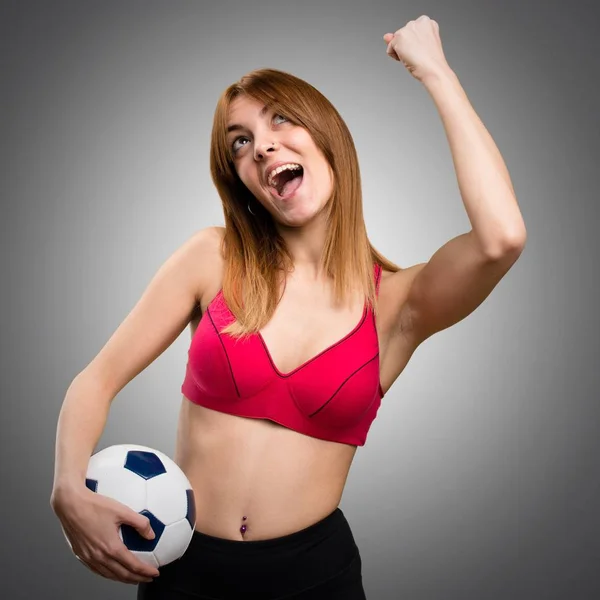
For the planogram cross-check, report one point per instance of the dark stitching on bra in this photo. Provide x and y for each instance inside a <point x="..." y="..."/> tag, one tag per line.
<point x="323" y="352"/>
<point x="224" y="350"/>
<point x="344" y="383"/>
<point x="305" y="364"/>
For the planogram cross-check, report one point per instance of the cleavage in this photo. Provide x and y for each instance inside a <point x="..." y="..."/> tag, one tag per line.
<point x="303" y="327"/>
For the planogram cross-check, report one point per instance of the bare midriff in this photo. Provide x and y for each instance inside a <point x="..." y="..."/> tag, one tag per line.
<point x="254" y="479"/>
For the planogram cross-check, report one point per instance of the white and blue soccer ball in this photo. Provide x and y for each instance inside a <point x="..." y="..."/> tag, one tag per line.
<point x="153" y="485"/>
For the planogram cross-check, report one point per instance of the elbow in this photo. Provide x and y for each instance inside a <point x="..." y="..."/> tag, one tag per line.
<point x="510" y="244"/>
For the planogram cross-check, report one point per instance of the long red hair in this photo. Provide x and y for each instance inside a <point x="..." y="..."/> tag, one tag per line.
<point x="255" y="255"/>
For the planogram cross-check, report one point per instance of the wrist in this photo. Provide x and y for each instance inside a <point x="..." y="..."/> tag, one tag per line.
<point x="65" y="489"/>
<point x="440" y="76"/>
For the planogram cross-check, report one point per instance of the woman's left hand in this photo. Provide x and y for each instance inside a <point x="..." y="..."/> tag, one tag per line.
<point x="419" y="47"/>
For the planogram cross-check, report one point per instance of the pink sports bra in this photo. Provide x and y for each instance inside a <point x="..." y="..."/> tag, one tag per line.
<point x="333" y="396"/>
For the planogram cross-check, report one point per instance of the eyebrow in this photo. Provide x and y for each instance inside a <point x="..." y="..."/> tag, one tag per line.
<point x="236" y="127"/>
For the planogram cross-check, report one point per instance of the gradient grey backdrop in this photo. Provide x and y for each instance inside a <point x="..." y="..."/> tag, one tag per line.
<point x="480" y="475"/>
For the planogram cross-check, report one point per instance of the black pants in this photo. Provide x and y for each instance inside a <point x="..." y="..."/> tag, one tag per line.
<point x="319" y="562"/>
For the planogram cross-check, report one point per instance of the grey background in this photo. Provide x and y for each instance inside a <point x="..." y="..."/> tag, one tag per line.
<point x="480" y="475"/>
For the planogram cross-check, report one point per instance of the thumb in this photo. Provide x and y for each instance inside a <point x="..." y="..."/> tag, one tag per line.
<point x="141" y="524"/>
<point x="146" y="529"/>
<point x="387" y="38"/>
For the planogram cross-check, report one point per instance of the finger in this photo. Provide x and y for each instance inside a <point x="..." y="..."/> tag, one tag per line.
<point x="122" y="573"/>
<point x="103" y="571"/>
<point x="134" y="565"/>
<point x="99" y="569"/>
<point x="391" y="52"/>
<point x="138" y="522"/>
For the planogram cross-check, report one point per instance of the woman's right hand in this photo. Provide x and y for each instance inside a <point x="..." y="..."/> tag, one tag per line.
<point x="90" y="522"/>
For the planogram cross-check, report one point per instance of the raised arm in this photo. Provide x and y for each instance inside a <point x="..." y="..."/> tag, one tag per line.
<point x="465" y="270"/>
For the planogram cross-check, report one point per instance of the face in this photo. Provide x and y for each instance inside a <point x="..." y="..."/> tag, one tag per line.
<point x="264" y="138"/>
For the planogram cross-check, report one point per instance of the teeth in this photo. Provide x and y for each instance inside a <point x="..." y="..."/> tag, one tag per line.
<point x="274" y="172"/>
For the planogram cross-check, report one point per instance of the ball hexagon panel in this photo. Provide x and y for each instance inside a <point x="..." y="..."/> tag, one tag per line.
<point x="170" y="546"/>
<point x="112" y="455"/>
<point x="165" y="497"/>
<point x="122" y="485"/>
<point x="148" y="558"/>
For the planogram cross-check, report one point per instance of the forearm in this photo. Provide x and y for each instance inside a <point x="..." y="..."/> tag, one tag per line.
<point x="81" y="421"/>
<point x="483" y="179"/>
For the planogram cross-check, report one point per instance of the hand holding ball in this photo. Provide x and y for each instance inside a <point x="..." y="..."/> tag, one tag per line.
<point x="150" y="483"/>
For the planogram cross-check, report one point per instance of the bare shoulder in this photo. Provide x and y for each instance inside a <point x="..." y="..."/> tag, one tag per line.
<point x="220" y="234"/>
<point x="205" y="245"/>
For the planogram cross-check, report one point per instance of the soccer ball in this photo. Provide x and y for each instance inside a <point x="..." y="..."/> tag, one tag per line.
<point x="150" y="483"/>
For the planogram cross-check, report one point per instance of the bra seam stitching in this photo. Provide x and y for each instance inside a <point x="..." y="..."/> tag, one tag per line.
<point x="237" y="391"/>
<point x="344" y="383"/>
<point x="308" y="362"/>
<point x="322" y="353"/>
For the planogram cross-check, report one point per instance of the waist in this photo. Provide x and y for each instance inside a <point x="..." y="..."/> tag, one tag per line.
<point x="275" y="568"/>
<point x="323" y="527"/>
<point x="278" y="479"/>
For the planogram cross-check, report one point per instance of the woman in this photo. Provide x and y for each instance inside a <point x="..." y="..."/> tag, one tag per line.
<point x="299" y="328"/>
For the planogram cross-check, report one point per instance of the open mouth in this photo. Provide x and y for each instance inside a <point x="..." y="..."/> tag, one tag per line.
<point x="286" y="183"/>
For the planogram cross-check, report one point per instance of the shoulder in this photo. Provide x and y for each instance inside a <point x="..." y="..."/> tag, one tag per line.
<point x="205" y="246"/>
<point x="219" y="232"/>
<point x="209" y="235"/>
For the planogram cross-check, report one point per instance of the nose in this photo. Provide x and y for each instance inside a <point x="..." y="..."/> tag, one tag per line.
<point x="263" y="148"/>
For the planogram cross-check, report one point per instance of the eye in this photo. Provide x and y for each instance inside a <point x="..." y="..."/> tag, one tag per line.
<point x="243" y="137"/>
<point x="233" y="147"/>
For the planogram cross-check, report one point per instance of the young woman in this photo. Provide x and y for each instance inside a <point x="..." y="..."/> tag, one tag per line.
<point x="299" y="328"/>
